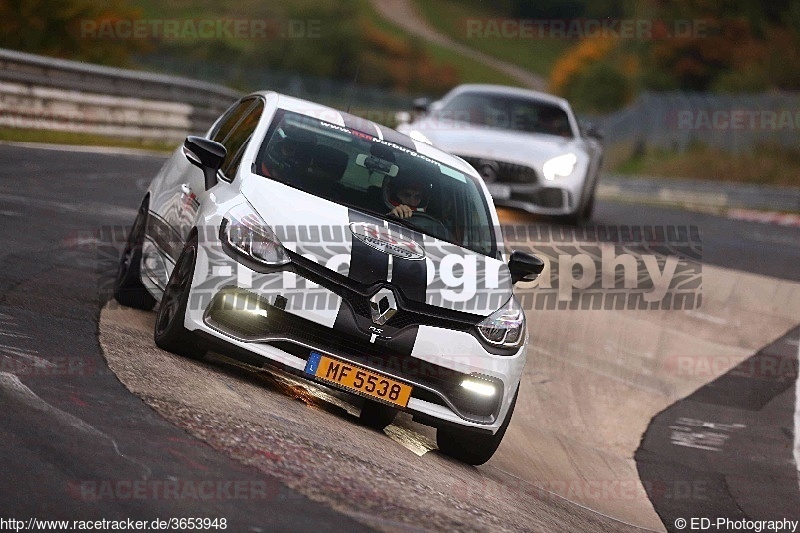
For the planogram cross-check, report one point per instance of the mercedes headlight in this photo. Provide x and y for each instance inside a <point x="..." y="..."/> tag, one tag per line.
<point x="560" y="166"/>
<point x="247" y="233"/>
<point x="505" y="327"/>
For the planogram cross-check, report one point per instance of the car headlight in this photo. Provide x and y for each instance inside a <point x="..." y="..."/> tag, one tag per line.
<point x="505" y="327"/>
<point x="247" y="233"/>
<point x="562" y="166"/>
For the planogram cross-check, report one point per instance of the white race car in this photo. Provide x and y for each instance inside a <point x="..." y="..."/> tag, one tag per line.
<point x="527" y="146"/>
<point x="342" y="251"/>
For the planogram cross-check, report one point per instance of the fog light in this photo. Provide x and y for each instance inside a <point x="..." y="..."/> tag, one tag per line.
<point x="478" y="386"/>
<point x="259" y="312"/>
<point x="232" y="301"/>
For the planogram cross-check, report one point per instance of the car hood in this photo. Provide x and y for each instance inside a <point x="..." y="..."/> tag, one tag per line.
<point x="502" y="145"/>
<point x="370" y="250"/>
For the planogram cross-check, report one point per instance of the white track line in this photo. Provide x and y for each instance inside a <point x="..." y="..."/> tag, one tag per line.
<point x="765" y="217"/>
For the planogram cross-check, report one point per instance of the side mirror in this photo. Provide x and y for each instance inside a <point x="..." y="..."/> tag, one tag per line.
<point x="205" y="154"/>
<point x="524" y="266"/>
<point x="421" y="105"/>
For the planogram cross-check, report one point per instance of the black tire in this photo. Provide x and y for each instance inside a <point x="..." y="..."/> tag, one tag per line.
<point x="588" y="209"/>
<point x="128" y="287"/>
<point x="470" y="447"/>
<point x="169" y="332"/>
<point x="581" y="217"/>
<point x="376" y="415"/>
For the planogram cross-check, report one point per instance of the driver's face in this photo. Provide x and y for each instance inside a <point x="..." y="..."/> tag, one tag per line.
<point x="410" y="197"/>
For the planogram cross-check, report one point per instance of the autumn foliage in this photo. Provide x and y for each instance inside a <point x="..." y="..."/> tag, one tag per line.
<point x="398" y="63"/>
<point x="578" y="59"/>
<point x="53" y="29"/>
<point x="731" y="46"/>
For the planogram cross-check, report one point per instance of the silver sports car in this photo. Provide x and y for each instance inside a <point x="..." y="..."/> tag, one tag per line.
<point x="527" y="146"/>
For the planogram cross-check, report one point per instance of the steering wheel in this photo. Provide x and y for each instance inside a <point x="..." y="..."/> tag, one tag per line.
<point x="430" y="224"/>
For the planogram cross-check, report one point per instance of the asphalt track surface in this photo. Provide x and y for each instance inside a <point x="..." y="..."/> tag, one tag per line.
<point x="748" y="413"/>
<point x="76" y="442"/>
<point x="68" y="425"/>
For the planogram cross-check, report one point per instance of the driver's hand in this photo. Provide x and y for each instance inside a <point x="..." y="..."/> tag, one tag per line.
<point x="401" y="211"/>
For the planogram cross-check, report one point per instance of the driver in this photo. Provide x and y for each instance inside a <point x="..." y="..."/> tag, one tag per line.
<point x="406" y="195"/>
<point x="554" y="122"/>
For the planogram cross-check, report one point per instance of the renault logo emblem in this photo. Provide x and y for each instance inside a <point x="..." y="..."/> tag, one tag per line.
<point x="383" y="306"/>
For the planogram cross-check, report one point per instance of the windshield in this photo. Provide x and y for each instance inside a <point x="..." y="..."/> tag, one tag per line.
<point x="363" y="172"/>
<point x="507" y="112"/>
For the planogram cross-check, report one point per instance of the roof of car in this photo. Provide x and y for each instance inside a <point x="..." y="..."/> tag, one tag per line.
<point x="341" y="118"/>
<point x="507" y="90"/>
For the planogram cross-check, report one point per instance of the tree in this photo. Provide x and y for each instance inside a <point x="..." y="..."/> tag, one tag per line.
<point x="59" y="29"/>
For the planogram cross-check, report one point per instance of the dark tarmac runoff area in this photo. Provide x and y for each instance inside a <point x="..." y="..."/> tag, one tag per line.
<point x="627" y="420"/>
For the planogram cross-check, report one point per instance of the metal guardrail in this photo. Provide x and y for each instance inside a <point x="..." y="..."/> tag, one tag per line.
<point x="40" y="92"/>
<point x="24" y="75"/>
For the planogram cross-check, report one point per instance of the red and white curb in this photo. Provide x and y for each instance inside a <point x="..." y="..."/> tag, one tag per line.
<point x="765" y="217"/>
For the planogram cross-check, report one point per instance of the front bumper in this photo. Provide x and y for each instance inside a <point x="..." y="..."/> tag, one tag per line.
<point x="523" y="187"/>
<point x="277" y="327"/>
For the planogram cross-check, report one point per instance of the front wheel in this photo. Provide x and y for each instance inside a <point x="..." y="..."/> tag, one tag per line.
<point x="587" y="211"/>
<point x="582" y="216"/>
<point x="170" y="333"/>
<point x="470" y="447"/>
<point x="128" y="287"/>
<point x="376" y="415"/>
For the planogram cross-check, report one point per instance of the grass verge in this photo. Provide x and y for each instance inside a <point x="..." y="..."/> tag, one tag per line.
<point x="81" y="139"/>
<point x="766" y="165"/>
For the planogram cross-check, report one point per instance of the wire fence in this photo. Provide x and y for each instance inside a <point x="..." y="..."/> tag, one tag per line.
<point x="675" y="122"/>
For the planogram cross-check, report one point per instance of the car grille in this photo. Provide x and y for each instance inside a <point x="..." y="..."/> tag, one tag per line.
<point x="357" y="295"/>
<point x="507" y="172"/>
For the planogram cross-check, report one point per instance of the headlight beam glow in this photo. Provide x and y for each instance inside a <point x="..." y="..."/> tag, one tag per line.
<point x="560" y="166"/>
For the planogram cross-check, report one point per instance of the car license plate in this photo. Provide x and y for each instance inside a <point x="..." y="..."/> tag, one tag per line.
<point x="354" y="378"/>
<point x="499" y="192"/>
